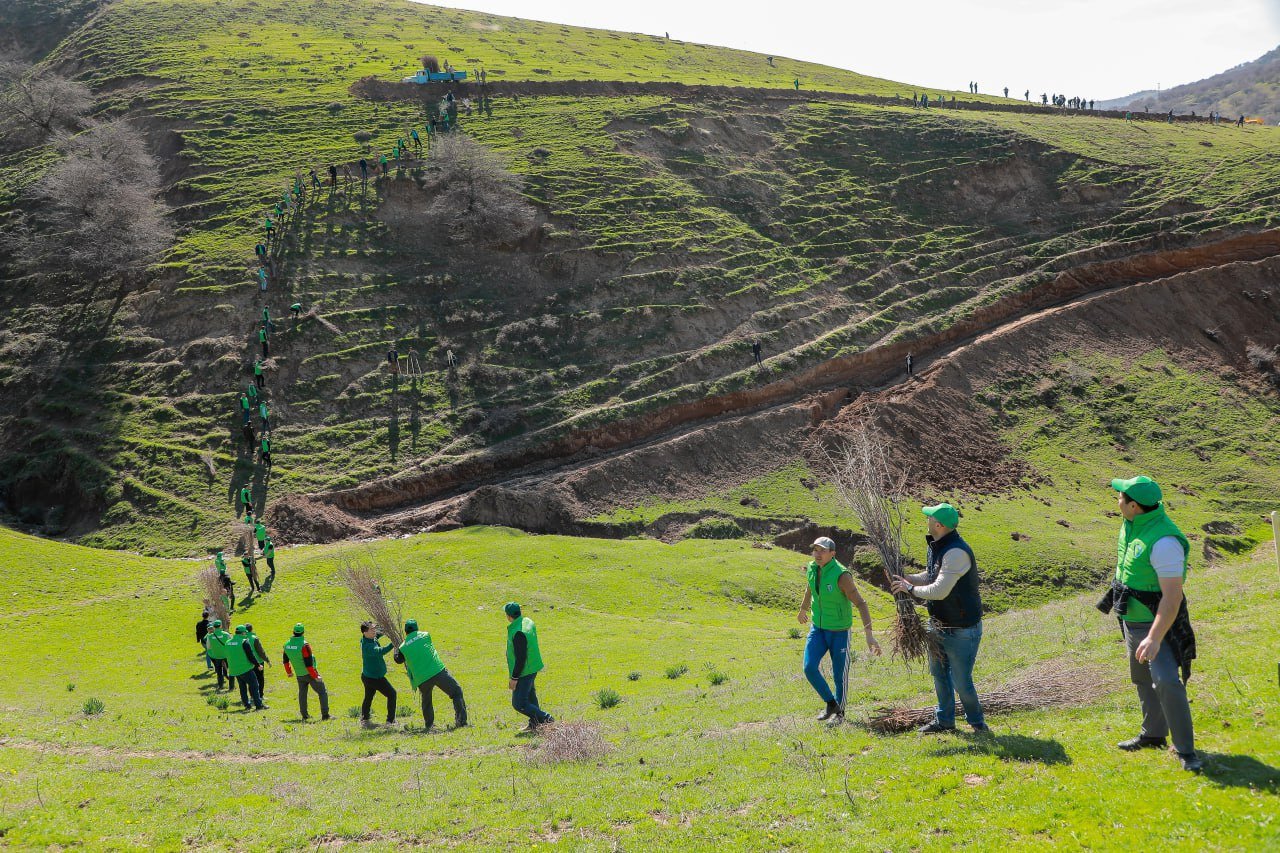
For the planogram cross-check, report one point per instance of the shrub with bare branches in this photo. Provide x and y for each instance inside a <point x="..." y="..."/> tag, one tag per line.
<point x="372" y="598"/>
<point x="474" y="196"/>
<point x="874" y="487"/>
<point x="209" y="583"/>
<point x="569" y="742"/>
<point x="37" y="102"/>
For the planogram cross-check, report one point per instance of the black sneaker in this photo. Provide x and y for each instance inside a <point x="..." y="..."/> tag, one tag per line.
<point x="1141" y="742"/>
<point x="324" y="717"/>
<point x="1191" y="762"/>
<point x="934" y="728"/>
<point x="982" y="729"/>
<point x="836" y="719"/>
<point x="831" y="710"/>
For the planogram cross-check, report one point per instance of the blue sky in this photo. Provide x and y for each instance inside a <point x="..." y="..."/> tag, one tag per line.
<point x="1091" y="48"/>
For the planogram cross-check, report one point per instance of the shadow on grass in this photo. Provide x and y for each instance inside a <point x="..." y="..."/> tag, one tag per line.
<point x="1240" y="771"/>
<point x="1022" y="748"/>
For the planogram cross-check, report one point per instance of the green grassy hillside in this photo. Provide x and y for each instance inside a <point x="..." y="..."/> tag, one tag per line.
<point x="1250" y="89"/>
<point x="691" y="764"/>
<point x="674" y="233"/>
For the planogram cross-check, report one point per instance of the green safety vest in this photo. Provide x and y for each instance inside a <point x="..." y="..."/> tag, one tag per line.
<point x="266" y="445"/>
<point x="257" y="368"/>
<point x="262" y="336"/>
<point x="248" y="565"/>
<point x="533" y="662"/>
<point x="293" y="650"/>
<point x="252" y="393"/>
<point x="240" y="655"/>
<point x="218" y="561"/>
<point x="260" y="531"/>
<point x="832" y="611"/>
<point x="244" y="402"/>
<point x="1133" y="557"/>
<point x="246" y="496"/>
<point x="269" y="551"/>
<point x="420" y="657"/>
<point x="217" y="644"/>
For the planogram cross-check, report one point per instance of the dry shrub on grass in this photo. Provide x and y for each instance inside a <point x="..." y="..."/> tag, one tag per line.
<point x="569" y="742"/>
<point x="210" y="586"/>
<point x="1048" y="685"/>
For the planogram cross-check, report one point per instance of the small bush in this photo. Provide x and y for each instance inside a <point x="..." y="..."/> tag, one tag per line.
<point x="92" y="707"/>
<point x="354" y="712"/>
<point x="222" y="703"/>
<point x="633" y="676"/>
<point x="362" y="136"/>
<point x="676" y="670"/>
<point x="794" y="633"/>
<point x="569" y="742"/>
<point x="607" y="697"/>
<point x="228" y="118"/>
<point x="715" y="676"/>
<point x="716" y="528"/>
<point x="336" y="107"/>
<point x="71" y="686"/>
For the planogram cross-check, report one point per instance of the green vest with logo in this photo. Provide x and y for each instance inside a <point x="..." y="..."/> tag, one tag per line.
<point x="420" y="657"/>
<point x="216" y="643"/>
<point x="533" y="660"/>
<point x="239" y="657"/>
<point x="1133" y="561"/>
<point x="831" y="610"/>
<point x="293" y="651"/>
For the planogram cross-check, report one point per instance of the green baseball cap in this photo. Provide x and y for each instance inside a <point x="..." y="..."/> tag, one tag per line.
<point x="217" y="623"/>
<point x="410" y="626"/>
<point x="1144" y="490"/>
<point x="298" y="629"/>
<point x="944" y="514"/>
<point x="511" y="609"/>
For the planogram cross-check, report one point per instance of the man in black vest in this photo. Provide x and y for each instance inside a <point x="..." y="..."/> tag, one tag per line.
<point x="949" y="588"/>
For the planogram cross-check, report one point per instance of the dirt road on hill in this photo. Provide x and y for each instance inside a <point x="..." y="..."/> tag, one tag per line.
<point x="1220" y="297"/>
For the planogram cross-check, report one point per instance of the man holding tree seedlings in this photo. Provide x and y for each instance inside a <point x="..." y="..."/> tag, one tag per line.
<point x="949" y="589"/>
<point x="426" y="672"/>
<point x="831" y="596"/>
<point x="1151" y="567"/>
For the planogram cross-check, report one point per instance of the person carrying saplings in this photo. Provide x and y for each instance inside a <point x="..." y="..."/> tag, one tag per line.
<point x="240" y="665"/>
<point x="228" y="585"/>
<point x="373" y="672"/>
<point x="215" y="643"/>
<point x="426" y="672"/>
<point x="301" y="664"/>
<point x="251" y="572"/>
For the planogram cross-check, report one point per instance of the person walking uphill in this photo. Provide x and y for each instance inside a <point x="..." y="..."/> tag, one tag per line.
<point x="524" y="662"/>
<point x="949" y="588"/>
<point x="215" y="643"/>
<point x="241" y="662"/>
<point x="300" y="663"/>
<point x="1147" y="596"/>
<point x="426" y="672"/>
<point x="831" y="595"/>
<point x="373" y="672"/>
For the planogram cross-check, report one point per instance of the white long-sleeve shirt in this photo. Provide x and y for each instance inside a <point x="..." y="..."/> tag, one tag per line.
<point x="954" y="564"/>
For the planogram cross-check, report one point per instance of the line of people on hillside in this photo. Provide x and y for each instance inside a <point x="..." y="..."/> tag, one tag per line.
<point x="1146" y="596"/>
<point x="239" y="660"/>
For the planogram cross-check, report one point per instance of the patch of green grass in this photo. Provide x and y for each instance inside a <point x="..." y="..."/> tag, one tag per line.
<point x="607" y="697"/>
<point x="676" y="670"/>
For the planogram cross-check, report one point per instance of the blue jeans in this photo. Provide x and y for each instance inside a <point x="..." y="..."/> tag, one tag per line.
<point x="953" y="675"/>
<point x="819" y="645"/>
<point x="525" y="699"/>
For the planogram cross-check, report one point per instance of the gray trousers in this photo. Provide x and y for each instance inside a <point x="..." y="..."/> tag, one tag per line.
<point x="306" y="681"/>
<point x="1165" y="710"/>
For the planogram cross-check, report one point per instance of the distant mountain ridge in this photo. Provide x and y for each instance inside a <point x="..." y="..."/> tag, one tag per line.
<point x="1251" y="89"/>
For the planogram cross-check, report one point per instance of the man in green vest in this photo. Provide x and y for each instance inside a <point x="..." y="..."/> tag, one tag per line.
<point x="426" y="671"/>
<point x="216" y="644"/>
<point x="524" y="662"/>
<point x="250" y="565"/>
<point x="260" y="533"/>
<point x="269" y="551"/>
<point x="228" y="585"/>
<point x="301" y="663"/>
<point x="245" y="409"/>
<point x="241" y="661"/>
<point x="260" y="658"/>
<point x="1151" y="566"/>
<point x="266" y="450"/>
<point x="259" y="380"/>
<point x="246" y="498"/>
<point x="831" y="595"/>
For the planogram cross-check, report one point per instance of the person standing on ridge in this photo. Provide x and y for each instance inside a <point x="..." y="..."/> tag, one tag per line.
<point x="240" y="664"/>
<point x="246" y="431"/>
<point x="252" y="390"/>
<point x="1147" y="596"/>
<point x="245" y="408"/>
<point x="300" y="662"/>
<point x="755" y="352"/>
<point x="259" y="378"/>
<point x="831" y="594"/>
<point x="949" y="588"/>
<point x="373" y="672"/>
<point x="262" y="339"/>
<point x="911" y="363"/>
<point x="524" y="662"/>
<point x="426" y="672"/>
<point x="246" y="498"/>
<point x="333" y="176"/>
<point x="265" y="414"/>
<point x="266" y="450"/>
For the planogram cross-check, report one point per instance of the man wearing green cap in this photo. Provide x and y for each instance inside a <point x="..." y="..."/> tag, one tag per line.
<point x="250" y="565"/>
<point x="1151" y="566"/>
<point x="216" y="643"/>
<point x="426" y="672"/>
<point x="524" y="662"/>
<point x="228" y="585"/>
<point x="373" y="672"/>
<point x="949" y="588"/>
<point x="240" y="665"/>
<point x="300" y="663"/>
<point x="831" y="595"/>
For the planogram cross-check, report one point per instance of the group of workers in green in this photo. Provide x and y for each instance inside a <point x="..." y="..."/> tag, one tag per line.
<point x="1146" y="595"/>
<point x="238" y="659"/>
